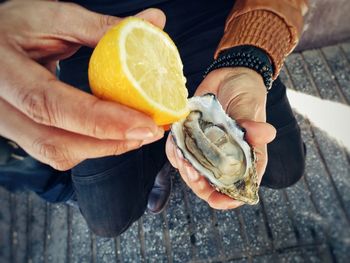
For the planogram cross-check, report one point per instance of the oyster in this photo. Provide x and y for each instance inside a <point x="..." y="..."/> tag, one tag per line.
<point x="214" y="144"/>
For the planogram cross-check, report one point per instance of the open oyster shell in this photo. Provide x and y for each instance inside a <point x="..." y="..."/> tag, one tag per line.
<point x="214" y="144"/>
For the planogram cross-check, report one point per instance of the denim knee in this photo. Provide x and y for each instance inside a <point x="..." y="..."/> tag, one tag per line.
<point x="109" y="205"/>
<point x="111" y="226"/>
<point x="112" y="192"/>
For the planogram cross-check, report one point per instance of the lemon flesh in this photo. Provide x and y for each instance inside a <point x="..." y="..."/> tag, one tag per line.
<point x="138" y="65"/>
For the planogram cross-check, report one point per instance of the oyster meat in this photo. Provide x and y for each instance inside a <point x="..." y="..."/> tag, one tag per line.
<point x="214" y="144"/>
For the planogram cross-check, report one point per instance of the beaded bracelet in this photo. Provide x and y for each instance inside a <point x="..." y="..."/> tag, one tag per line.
<point x="245" y="56"/>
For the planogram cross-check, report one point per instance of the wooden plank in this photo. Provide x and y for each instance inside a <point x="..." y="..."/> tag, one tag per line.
<point x="308" y="254"/>
<point x="36" y="225"/>
<point x="5" y="226"/>
<point x="19" y="234"/>
<point x="301" y="206"/>
<point x="346" y="49"/>
<point x="243" y="260"/>
<point x="155" y="247"/>
<point x="80" y="238"/>
<point x="259" y="237"/>
<point x="321" y="75"/>
<point x="130" y="246"/>
<point x="337" y="166"/>
<point x="281" y="226"/>
<point x="105" y="250"/>
<point x="204" y="235"/>
<point x="333" y="155"/>
<point x="231" y="236"/>
<point x="57" y="233"/>
<point x="178" y="223"/>
<point x="339" y="68"/>
<point x="324" y="195"/>
<point x="296" y="67"/>
<point x="299" y="200"/>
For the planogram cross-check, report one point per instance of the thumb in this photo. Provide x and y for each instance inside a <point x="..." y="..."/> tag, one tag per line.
<point x="81" y="26"/>
<point x="154" y="16"/>
<point x="88" y="27"/>
<point x="258" y="133"/>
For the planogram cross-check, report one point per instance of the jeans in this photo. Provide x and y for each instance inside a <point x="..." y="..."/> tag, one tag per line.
<point x="112" y="192"/>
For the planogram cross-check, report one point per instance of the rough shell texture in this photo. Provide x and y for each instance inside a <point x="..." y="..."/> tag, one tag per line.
<point x="214" y="144"/>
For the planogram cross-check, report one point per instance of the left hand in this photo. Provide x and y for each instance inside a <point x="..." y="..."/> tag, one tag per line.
<point x="242" y="94"/>
<point x="54" y="122"/>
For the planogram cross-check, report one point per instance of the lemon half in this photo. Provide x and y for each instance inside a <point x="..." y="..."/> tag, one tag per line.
<point x="138" y="65"/>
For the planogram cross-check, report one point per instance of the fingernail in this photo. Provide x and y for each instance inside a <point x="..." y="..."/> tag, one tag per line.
<point x="139" y="134"/>
<point x="153" y="139"/>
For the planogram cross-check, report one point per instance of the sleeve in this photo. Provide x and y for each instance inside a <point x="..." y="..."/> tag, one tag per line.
<point x="274" y="26"/>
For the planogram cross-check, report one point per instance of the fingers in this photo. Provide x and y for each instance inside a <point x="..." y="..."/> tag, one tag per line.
<point x="202" y="188"/>
<point x="197" y="182"/>
<point x="89" y="26"/>
<point x="58" y="148"/>
<point x="153" y="15"/>
<point x="220" y="201"/>
<point x="169" y="150"/>
<point x="44" y="99"/>
<point x="79" y="25"/>
<point x="258" y="133"/>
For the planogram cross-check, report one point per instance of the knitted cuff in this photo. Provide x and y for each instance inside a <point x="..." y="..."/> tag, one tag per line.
<point x="262" y="29"/>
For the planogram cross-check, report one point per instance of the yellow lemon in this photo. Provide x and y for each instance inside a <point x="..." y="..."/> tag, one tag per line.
<point x="138" y="65"/>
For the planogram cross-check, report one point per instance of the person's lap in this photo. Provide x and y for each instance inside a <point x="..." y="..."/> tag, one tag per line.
<point x="112" y="192"/>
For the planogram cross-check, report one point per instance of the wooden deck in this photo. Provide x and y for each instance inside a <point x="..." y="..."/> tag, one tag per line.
<point x="308" y="222"/>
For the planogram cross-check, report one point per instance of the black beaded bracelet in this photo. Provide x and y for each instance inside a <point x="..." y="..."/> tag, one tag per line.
<point x="245" y="56"/>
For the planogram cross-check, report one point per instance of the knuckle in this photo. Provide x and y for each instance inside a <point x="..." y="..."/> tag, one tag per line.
<point x="61" y="166"/>
<point x="120" y="147"/>
<point x="36" y="105"/>
<point x="46" y="149"/>
<point x="51" y="154"/>
<point x="95" y="125"/>
<point x="117" y="149"/>
<point x="99" y="125"/>
<point x="97" y="128"/>
<point x="107" y="20"/>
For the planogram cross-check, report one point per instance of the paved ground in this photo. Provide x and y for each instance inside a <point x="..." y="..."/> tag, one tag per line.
<point x="308" y="222"/>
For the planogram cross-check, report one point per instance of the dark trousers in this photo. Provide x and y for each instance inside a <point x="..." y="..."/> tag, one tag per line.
<point x="112" y="192"/>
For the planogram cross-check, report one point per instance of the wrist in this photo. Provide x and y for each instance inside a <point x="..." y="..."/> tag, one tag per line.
<point x="246" y="56"/>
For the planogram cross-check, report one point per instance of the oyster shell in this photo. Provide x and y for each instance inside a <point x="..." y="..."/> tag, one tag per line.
<point x="214" y="144"/>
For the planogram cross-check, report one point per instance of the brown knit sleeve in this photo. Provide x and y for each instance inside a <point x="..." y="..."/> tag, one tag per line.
<point x="272" y="25"/>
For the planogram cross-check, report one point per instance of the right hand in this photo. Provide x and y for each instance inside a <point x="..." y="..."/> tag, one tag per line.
<point x="56" y="123"/>
<point x="242" y="93"/>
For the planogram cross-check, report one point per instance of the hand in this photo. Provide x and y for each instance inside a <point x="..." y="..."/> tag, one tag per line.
<point x="54" y="122"/>
<point x="242" y="94"/>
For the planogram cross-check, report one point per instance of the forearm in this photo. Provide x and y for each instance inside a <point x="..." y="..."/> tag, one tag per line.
<point x="274" y="26"/>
